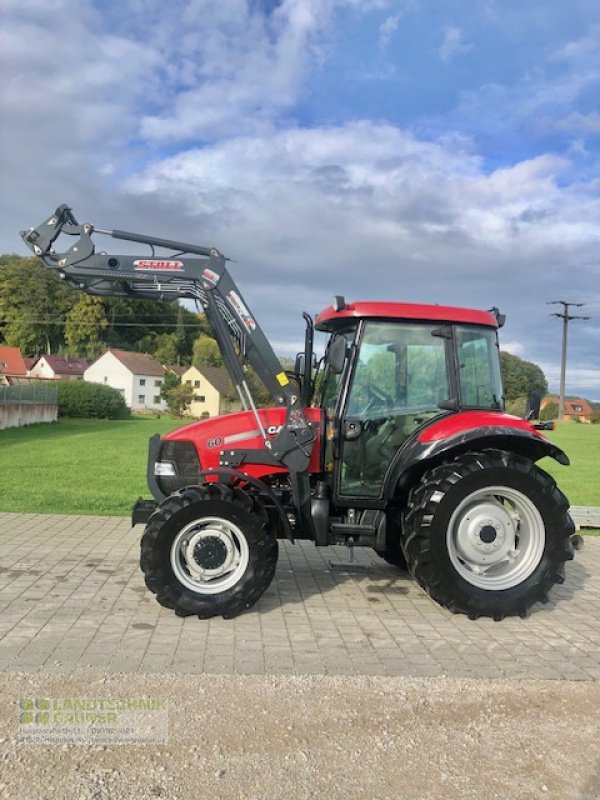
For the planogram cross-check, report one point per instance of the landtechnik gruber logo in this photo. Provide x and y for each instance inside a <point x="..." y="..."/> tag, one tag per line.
<point x="93" y="720"/>
<point x="34" y="711"/>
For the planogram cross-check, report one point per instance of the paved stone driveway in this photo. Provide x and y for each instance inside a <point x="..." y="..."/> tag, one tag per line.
<point x="72" y="598"/>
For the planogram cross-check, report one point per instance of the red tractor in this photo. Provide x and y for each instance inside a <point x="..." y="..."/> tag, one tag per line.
<point x="396" y="440"/>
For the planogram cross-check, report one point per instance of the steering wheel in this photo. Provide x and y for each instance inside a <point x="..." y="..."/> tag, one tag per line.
<point x="377" y="399"/>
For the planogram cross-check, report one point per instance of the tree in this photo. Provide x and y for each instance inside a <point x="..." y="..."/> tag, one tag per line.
<point x="167" y="348"/>
<point x="179" y="399"/>
<point x="33" y="305"/>
<point x="520" y="378"/>
<point x="178" y="396"/>
<point x="170" y="381"/>
<point x="206" y="352"/>
<point x="84" y="326"/>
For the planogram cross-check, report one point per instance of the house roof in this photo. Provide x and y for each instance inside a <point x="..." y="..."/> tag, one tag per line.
<point x="66" y="365"/>
<point x="137" y="363"/>
<point x="11" y="361"/>
<point x="176" y="368"/>
<point x="218" y="376"/>
<point x="577" y="407"/>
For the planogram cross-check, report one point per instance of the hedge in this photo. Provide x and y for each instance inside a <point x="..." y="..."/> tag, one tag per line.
<point x="81" y="399"/>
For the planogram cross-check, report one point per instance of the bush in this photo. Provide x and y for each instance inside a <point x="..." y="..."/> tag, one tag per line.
<point x="550" y="411"/>
<point x="517" y="407"/>
<point x="81" y="399"/>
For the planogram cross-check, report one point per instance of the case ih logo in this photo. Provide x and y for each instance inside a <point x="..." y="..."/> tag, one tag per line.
<point x="167" y="266"/>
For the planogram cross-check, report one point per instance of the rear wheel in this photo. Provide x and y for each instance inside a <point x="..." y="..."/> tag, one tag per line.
<point x="209" y="550"/>
<point x="488" y="534"/>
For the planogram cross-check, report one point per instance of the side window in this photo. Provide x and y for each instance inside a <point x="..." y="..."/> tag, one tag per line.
<point x="480" y="380"/>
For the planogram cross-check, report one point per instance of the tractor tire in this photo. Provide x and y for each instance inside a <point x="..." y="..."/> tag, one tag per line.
<point x="209" y="550"/>
<point x="488" y="534"/>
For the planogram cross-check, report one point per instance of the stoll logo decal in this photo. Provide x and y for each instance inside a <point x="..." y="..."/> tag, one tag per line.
<point x="93" y="720"/>
<point x="163" y="266"/>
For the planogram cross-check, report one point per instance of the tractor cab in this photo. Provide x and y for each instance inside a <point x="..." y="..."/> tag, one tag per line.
<point x="390" y="369"/>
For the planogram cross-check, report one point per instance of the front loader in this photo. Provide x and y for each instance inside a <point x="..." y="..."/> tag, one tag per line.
<point x="399" y="443"/>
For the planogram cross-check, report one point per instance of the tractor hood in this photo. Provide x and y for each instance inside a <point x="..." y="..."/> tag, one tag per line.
<point x="217" y="437"/>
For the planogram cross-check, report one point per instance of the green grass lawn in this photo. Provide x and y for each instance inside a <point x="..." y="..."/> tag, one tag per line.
<point x="99" y="466"/>
<point x="581" y="480"/>
<point x="77" y="466"/>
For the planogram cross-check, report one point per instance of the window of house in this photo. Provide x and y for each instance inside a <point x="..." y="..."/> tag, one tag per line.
<point x="189" y="383"/>
<point x="199" y="398"/>
<point x="141" y="398"/>
<point x="157" y="383"/>
<point x="577" y="409"/>
<point x="196" y="384"/>
<point x="3" y="364"/>
<point x="156" y="399"/>
<point x="142" y="381"/>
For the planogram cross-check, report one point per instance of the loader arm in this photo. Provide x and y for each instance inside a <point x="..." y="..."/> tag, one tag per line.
<point x="188" y="271"/>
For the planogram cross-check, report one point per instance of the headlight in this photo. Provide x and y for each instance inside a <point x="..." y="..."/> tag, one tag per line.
<point x="165" y="469"/>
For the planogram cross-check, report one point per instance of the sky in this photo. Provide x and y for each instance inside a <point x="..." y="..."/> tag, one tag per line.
<point x="438" y="151"/>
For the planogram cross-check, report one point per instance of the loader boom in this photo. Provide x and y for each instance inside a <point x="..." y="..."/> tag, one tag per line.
<point x="188" y="271"/>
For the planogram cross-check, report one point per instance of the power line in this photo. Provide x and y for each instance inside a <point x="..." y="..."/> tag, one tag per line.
<point x="566" y="318"/>
<point x="110" y="323"/>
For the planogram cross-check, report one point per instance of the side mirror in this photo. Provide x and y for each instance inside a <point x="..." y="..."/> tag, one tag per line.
<point x="336" y="354"/>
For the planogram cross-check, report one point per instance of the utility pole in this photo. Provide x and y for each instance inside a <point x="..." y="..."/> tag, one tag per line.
<point x="566" y="317"/>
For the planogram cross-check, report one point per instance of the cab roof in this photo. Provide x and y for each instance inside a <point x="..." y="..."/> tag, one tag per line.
<point x="330" y="320"/>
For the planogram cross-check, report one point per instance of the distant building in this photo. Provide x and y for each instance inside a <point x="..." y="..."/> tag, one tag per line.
<point x="58" y="368"/>
<point x="138" y="376"/>
<point x="213" y="391"/>
<point x="12" y="364"/>
<point x="575" y="408"/>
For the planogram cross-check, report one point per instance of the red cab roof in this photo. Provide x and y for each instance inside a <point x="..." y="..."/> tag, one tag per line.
<point x="329" y="319"/>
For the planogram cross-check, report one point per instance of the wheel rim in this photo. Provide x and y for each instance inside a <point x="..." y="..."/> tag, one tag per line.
<point x="496" y="538"/>
<point x="209" y="555"/>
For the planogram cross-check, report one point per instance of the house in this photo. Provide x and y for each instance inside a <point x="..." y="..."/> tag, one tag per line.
<point x="58" y="368"/>
<point x="213" y="391"/>
<point x="578" y="409"/>
<point x="575" y="408"/>
<point x="12" y="364"/>
<point x="138" y="376"/>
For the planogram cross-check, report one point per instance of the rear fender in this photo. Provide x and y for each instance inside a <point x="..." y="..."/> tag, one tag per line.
<point x="418" y="456"/>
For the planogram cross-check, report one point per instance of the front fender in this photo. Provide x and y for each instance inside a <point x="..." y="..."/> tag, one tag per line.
<point x="419" y="455"/>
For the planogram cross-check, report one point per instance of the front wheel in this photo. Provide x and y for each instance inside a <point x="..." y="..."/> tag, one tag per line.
<point x="209" y="550"/>
<point x="488" y="534"/>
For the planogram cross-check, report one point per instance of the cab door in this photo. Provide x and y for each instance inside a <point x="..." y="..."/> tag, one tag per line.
<point x="400" y="376"/>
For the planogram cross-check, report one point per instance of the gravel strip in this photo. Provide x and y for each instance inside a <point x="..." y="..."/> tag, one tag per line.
<point x="298" y="737"/>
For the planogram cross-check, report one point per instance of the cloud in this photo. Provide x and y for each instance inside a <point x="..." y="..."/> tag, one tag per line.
<point x="452" y="45"/>
<point x="372" y="211"/>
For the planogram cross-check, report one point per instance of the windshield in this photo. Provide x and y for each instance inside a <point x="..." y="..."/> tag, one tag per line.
<point x="401" y="367"/>
<point x="479" y="368"/>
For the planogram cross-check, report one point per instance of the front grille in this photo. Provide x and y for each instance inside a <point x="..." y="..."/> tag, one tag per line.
<point x="187" y="465"/>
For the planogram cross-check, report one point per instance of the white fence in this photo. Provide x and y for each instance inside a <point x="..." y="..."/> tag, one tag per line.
<point x="27" y="402"/>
